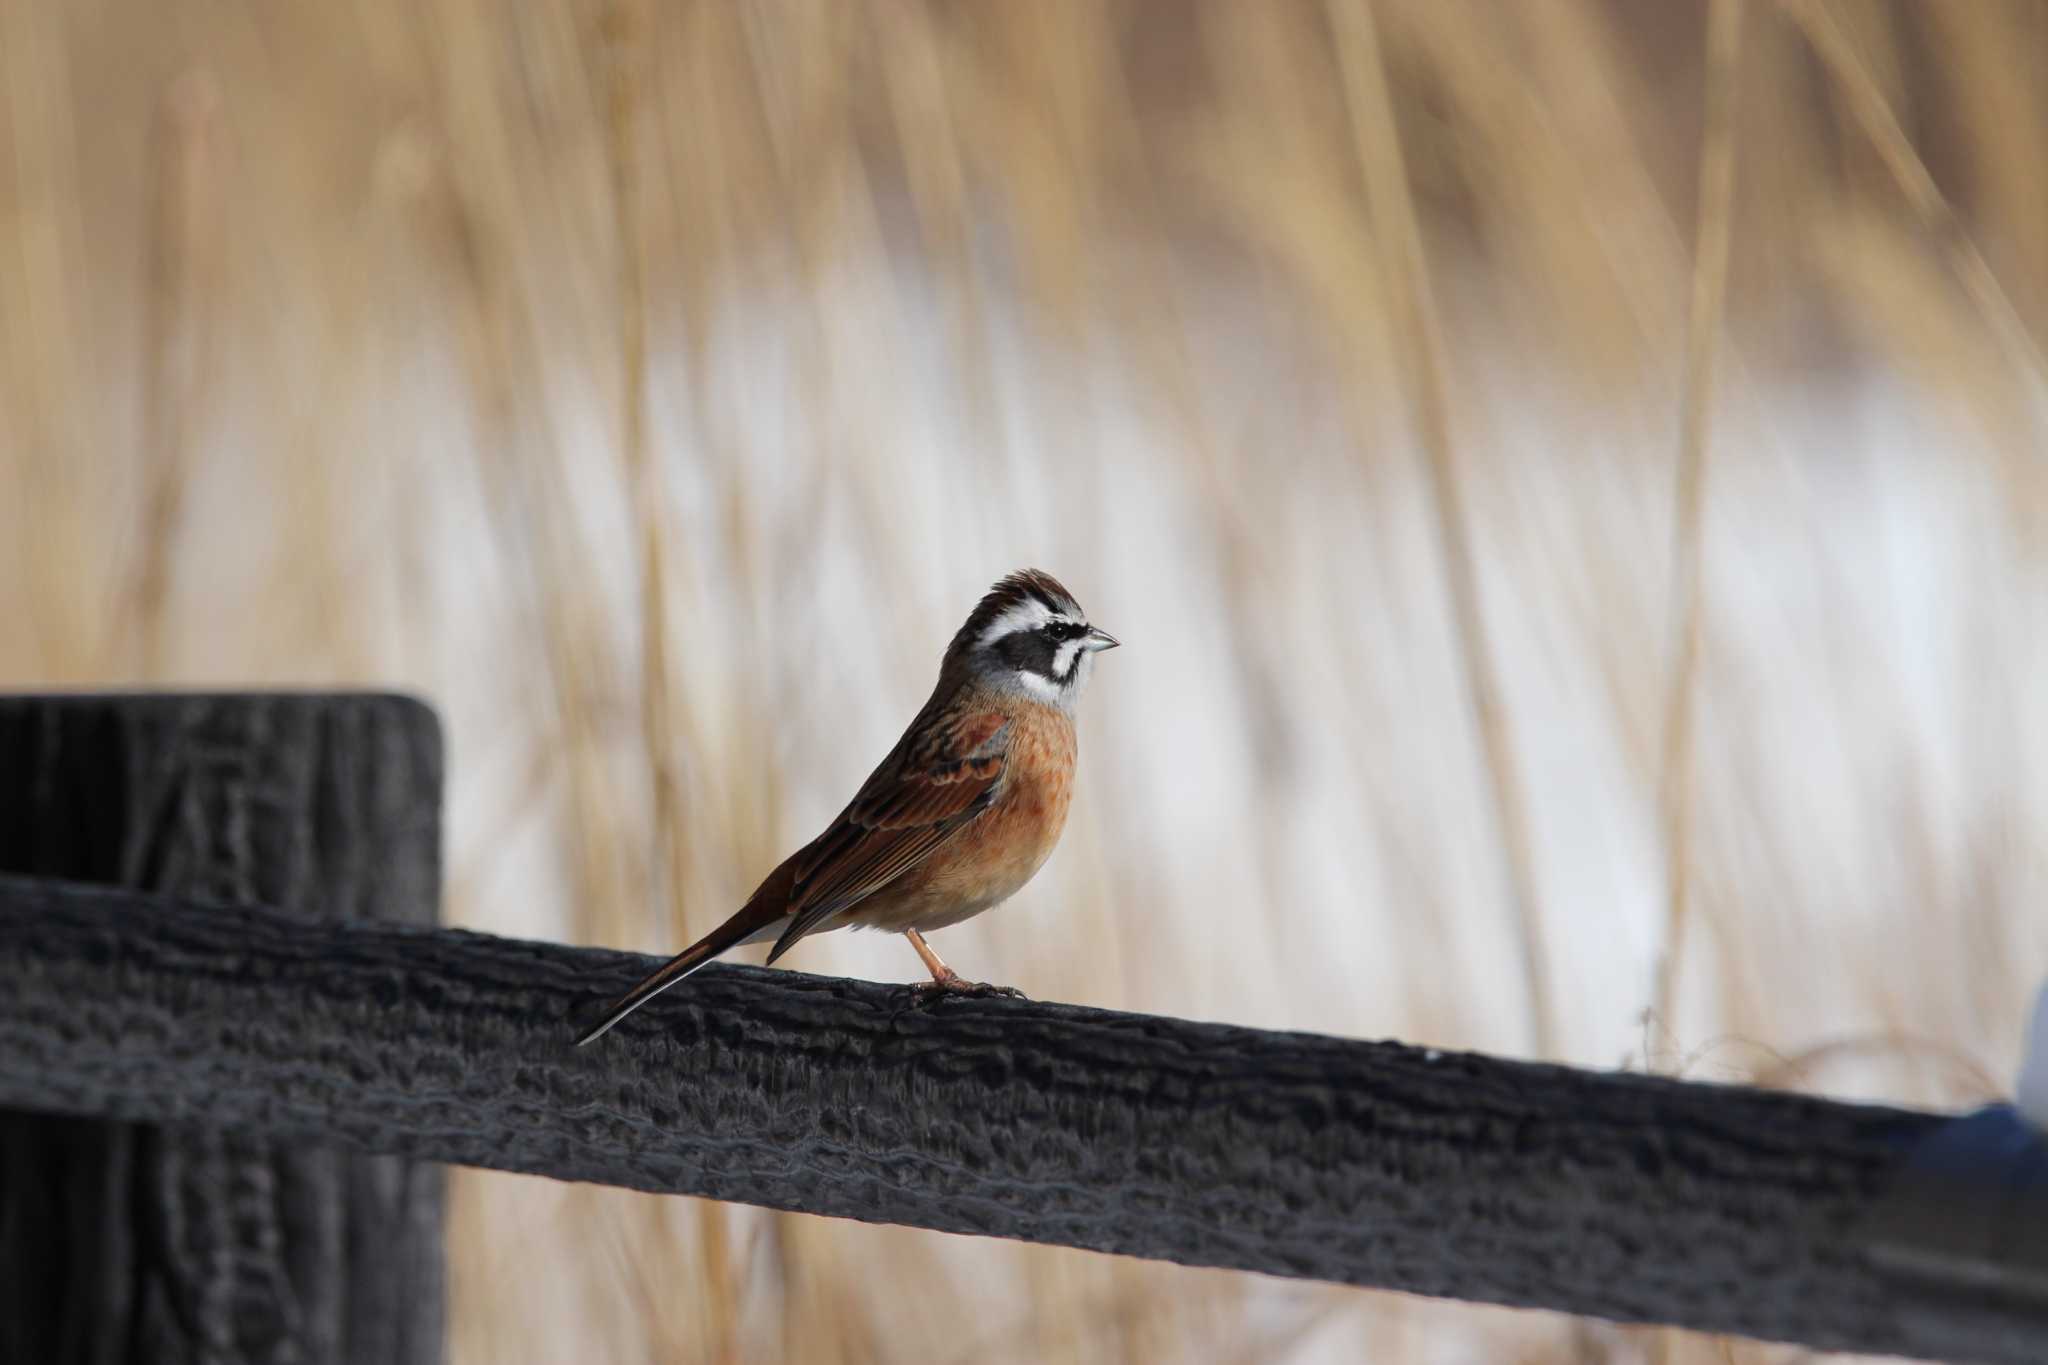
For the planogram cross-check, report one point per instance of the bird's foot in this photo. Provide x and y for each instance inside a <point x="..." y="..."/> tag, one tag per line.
<point x="954" y="984"/>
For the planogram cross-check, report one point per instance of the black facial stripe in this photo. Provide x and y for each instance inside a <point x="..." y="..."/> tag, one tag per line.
<point x="1037" y="651"/>
<point x="1029" y="651"/>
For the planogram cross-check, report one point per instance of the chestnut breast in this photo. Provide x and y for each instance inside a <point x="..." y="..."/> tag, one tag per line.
<point x="990" y="860"/>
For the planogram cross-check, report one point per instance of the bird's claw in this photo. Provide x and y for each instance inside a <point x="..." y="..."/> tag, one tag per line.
<point x="953" y="984"/>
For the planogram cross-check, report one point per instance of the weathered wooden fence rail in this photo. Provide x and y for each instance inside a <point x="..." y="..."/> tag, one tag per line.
<point x="1624" y="1196"/>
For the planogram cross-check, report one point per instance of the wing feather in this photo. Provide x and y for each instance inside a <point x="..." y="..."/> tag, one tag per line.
<point x="945" y="772"/>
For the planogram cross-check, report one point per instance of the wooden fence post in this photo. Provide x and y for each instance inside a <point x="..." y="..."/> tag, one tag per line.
<point x="124" y="1242"/>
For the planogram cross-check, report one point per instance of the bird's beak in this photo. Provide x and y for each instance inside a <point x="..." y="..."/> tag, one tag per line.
<point x="1100" y="639"/>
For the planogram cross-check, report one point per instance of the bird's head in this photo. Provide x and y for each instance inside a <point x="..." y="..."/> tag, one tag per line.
<point x="1030" y="635"/>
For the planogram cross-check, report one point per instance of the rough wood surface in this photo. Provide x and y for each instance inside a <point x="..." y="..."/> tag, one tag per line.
<point x="1617" y="1195"/>
<point x="205" y="1240"/>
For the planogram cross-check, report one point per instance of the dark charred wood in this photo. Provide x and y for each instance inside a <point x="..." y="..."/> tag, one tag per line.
<point x="132" y="1236"/>
<point x="1618" y="1195"/>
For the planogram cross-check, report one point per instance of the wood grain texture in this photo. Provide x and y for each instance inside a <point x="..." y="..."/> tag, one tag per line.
<point x="1622" y="1196"/>
<point x="204" y="1240"/>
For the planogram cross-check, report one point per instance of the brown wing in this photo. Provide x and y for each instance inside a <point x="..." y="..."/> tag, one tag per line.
<point x="946" y="771"/>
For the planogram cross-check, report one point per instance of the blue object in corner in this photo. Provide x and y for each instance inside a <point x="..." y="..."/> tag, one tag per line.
<point x="2033" y="1087"/>
<point x="1970" y="1208"/>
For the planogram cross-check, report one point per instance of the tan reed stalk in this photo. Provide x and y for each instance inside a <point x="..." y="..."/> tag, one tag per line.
<point x="41" y="352"/>
<point x="1703" y="340"/>
<point x="1937" y="216"/>
<point x="912" y="44"/>
<point x="1419" y="341"/>
<point x="182" y="295"/>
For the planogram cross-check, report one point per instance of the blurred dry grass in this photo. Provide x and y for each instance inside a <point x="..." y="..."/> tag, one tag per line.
<point x="1531" y="616"/>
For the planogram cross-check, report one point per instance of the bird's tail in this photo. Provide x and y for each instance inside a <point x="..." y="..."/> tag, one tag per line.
<point x="753" y="919"/>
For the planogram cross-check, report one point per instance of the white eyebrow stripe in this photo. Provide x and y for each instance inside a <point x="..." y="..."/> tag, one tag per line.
<point x="1026" y="615"/>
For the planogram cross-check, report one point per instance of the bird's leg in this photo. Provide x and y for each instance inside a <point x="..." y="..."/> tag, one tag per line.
<point x="944" y="977"/>
<point x="946" y="981"/>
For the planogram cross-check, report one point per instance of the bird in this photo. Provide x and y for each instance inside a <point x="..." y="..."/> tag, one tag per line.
<point x="960" y="815"/>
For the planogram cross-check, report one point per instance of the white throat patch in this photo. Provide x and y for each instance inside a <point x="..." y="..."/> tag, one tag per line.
<point x="1040" y="686"/>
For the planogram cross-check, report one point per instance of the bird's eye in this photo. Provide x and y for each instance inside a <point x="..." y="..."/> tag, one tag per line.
<point x="1065" y="630"/>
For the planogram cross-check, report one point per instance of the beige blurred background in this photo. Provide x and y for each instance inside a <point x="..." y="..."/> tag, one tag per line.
<point x="1571" y="487"/>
